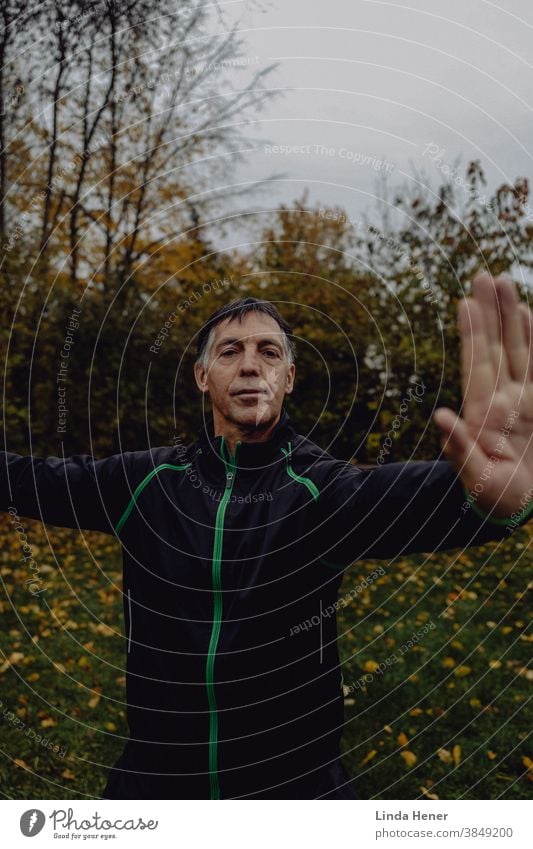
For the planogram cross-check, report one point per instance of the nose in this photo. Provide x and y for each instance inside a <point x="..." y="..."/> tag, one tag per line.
<point x="250" y="361"/>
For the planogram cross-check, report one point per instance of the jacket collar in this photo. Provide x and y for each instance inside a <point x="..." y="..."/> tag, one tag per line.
<point x="249" y="454"/>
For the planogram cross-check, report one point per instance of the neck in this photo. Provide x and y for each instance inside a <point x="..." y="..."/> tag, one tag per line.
<point x="234" y="433"/>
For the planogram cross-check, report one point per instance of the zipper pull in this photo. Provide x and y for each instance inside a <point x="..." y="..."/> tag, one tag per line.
<point x="229" y="478"/>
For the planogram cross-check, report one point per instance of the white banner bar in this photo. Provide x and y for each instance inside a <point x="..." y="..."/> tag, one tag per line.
<point x="268" y="824"/>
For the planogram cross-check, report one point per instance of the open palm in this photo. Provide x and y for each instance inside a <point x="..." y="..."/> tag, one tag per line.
<point x="491" y="445"/>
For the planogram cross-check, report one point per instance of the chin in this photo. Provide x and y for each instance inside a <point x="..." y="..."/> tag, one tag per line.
<point x="257" y="416"/>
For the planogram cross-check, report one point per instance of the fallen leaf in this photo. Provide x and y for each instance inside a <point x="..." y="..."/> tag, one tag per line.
<point x="14" y="657"/>
<point x="409" y="758"/>
<point x="368" y="757"/>
<point x="425" y="792"/>
<point x="445" y="755"/>
<point x="529" y="764"/>
<point x="526" y="673"/>
<point x="403" y="739"/>
<point x="93" y="701"/>
<point x="456" y="754"/>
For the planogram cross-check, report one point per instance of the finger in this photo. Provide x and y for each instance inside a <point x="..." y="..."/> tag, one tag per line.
<point x="459" y="447"/>
<point x="478" y="374"/>
<point x="513" y="332"/>
<point x="485" y="293"/>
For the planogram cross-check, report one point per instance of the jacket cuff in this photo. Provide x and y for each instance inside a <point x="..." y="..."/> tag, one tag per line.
<point x="515" y="519"/>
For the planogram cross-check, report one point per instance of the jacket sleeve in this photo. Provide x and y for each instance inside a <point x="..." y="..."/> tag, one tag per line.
<point x="71" y="492"/>
<point x="397" y="509"/>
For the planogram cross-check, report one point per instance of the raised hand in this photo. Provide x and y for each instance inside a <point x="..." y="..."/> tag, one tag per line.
<point x="491" y="445"/>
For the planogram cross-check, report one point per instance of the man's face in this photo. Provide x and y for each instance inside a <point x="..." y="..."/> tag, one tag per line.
<point x="248" y="374"/>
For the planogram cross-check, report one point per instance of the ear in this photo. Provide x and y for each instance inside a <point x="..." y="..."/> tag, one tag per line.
<point x="200" y="374"/>
<point x="290" y="379"/>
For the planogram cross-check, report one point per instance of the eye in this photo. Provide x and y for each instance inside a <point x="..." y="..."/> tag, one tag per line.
<point x="228" y="351"/>
<point x="271" y="352"/>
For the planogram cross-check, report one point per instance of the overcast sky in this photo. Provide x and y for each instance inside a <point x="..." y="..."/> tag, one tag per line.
<point x="370" y="80"/>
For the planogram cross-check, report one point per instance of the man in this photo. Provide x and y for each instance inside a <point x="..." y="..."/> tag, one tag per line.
<point x="234" y="549"/>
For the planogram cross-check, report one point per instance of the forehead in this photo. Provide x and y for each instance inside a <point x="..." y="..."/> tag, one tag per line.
<point x="255" y="324"/>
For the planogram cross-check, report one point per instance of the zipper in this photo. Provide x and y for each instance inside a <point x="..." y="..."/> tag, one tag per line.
<point x="216" y="579"/>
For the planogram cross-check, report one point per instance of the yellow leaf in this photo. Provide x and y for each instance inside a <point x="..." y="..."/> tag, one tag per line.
<point x="67" y="773"/>
<point x="368" y="757"/>
<point x="409" y="758"/>
<point x="388" y="729"/>
<point x="370" y="665"/>
<point x="445" y="755"/>
<point x="528" y="763"/>
<point x="526" y="673"/>
<point x="95" y="698"/>
<point x="48" y="723"/>
<point x="456" y="754"/>
<point x="425" y="792"/>
<point x="22" y="764"/>
<point x="448" y="662"/>
<point x="491" y="755"/>
<point x="403" y="739"/>
<point x="495" y="664"/>
<point x="14" y="657"/>
<point x="416" y="711"/>
<point x="475" y="703"/>
<point x="462" y="671"/>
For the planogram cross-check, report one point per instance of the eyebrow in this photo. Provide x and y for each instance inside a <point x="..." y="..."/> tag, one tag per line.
<point x="263" y="341"/>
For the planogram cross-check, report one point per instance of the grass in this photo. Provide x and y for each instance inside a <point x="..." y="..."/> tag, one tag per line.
<point x="448" y="717"/>
<point x="451" y="714"/>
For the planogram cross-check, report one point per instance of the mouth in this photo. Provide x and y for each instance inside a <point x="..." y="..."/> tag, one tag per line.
<point x="249" y="392"/>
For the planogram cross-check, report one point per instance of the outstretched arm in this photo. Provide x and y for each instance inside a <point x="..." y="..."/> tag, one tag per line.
<point x="71" y="492"/>
<point x="483" y="490"/>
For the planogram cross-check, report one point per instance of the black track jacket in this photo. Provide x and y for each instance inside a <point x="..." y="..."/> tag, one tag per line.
<point x="232" y="566"/>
